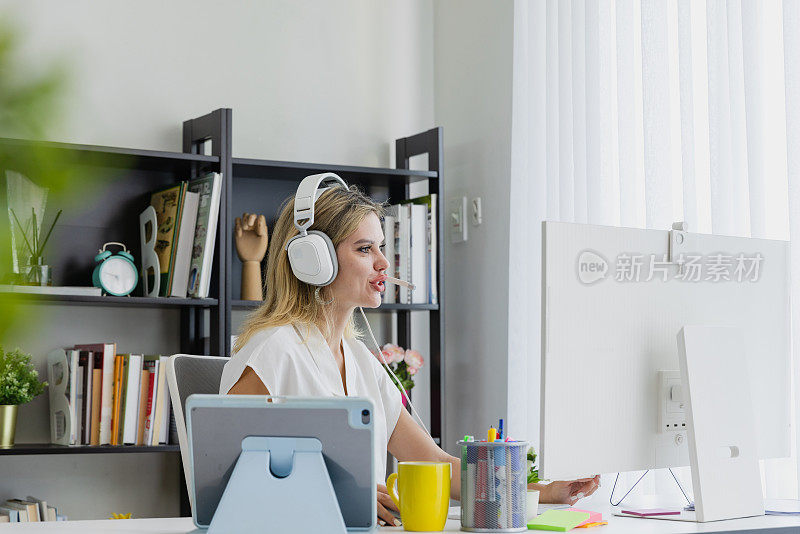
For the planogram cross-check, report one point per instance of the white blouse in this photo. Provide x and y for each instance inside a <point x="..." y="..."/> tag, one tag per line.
<point x="296" y="360"/>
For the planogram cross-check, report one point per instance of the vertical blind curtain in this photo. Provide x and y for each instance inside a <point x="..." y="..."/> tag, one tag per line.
<point x="645" y="112"/>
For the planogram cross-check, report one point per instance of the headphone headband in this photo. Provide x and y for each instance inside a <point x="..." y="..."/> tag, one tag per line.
<point x="307" y="194"/>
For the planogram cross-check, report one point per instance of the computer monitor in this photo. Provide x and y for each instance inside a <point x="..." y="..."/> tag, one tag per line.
<point x="613" y="304"/>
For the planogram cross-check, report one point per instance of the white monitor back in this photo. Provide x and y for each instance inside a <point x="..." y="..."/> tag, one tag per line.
<point x="603" y="343"/>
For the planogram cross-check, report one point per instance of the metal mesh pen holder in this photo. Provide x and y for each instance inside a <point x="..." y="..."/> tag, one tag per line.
<point x="493" y="486"/>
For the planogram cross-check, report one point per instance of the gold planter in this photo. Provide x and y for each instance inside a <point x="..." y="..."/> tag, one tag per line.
<point x="8" y="424"/>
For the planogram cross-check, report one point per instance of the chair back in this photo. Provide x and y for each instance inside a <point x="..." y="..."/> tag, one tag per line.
<point x="188" y="374"/>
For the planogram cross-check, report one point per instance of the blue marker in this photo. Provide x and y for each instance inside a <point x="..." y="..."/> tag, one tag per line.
<point x="500" y="432"/>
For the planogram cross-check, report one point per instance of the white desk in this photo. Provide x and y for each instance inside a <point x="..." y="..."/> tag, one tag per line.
<point x="616" y="525"/>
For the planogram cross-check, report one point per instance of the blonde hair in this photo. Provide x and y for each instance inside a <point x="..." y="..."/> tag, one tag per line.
<point x="337" y="212"/>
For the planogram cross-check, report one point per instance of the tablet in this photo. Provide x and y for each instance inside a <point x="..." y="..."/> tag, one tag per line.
<point x="217" y="424"/>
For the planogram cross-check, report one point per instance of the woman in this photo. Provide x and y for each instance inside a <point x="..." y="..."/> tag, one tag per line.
<point x="302" y="340"/>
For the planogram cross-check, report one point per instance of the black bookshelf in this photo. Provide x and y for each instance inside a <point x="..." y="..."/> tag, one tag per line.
<point x="252" y="304"/>
<point x="286" y="170"/>
<point x="125" y="178"/>
<point x="51" y="448"/>
<point x="95" y="300"/>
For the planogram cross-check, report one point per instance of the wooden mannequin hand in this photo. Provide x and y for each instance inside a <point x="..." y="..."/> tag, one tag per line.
<point x="251" y="237"/>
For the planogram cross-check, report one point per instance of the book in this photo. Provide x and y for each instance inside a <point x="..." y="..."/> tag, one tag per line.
<point x="86" y="362"/>
<point x="81" y="372"/>
<point x="31" y="508"/>
<point x="12" y="513"/>
<point x="403" y="252"/>
<point x="97" y="399"/>
<point x="418" y="254"/>
<point x="179" y="279"/>
<point x="107" y="352"/>
<point x="167" y="203"/>
<point x="144" y="388"/>
<point x="164" y="401"/>
<point x="152" y="363"/>
<point x="209" y="187"/>
<point x="42" y="507"/>
<point x="21" y="509"/>
<point x="432" y="257"/>
<point x="52" y="290"/>
<point x="4" y="518"/>
<point x="159" y="421"/>
<point x="119" y="363"/>
<point x="388" y="251"/>
<point x="130" y="418"/>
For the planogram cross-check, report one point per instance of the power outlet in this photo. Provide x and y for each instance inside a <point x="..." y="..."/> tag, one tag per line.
<point x="671" y="402"/>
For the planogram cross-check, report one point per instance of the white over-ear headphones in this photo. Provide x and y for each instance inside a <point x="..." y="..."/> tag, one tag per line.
<point x="311" y="253"/>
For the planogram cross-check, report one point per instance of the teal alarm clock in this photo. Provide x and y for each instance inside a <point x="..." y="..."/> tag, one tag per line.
<point x="115" y="274"/>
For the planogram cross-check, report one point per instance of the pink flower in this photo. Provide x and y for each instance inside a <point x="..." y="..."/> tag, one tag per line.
<point x="414" y="360"/>
<point x="412" y="371"/>
<point x="393" y="353"/>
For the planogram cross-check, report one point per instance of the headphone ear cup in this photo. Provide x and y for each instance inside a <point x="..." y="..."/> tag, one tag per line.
<point x="313" y="258"/>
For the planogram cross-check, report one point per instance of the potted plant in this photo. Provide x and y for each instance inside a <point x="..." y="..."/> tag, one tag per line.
<point x="19" y="384"/>
<point x="532" y="497"/>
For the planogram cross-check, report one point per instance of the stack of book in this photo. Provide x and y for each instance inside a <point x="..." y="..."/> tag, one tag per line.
<point x="27" y="510"/>
<point x="110" y="398"/>
<point x="187" y="216"/>
<point x="411" y="248"/>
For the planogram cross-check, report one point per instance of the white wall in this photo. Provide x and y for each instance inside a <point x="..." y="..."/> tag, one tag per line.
<point x="473" y="60"/>
<point x="308" y="81"/>
<point x="328" y="81"/>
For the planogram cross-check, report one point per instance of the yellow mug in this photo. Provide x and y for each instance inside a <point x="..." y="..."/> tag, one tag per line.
<point x="424" y="494"/>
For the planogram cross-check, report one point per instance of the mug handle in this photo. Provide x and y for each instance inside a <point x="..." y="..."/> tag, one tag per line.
<point x="391" y="486"/>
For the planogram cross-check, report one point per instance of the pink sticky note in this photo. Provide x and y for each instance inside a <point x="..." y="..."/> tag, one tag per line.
<point x="594" y="517"/>
<point x="652" y="512"/>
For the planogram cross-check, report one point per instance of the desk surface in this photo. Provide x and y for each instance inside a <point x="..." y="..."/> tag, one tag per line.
<point x="616" y="525"/>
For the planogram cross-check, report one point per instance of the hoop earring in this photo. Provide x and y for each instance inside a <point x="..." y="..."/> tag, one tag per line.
<point x="318" y="298"/>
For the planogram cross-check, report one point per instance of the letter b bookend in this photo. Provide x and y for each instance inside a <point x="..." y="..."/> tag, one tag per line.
<point x="278" y="485"/>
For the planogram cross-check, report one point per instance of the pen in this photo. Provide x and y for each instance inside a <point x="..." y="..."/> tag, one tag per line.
<point x="500" y="431"/>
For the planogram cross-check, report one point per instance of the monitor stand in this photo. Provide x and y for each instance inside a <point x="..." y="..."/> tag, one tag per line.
<point x="279" y="484"/>
<point x="721" y="426"/>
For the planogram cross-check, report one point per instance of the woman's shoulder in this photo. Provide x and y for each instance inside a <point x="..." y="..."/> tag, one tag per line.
<point x="272" y="340"/>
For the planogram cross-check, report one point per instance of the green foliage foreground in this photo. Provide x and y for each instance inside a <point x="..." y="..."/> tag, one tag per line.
<point x="19" y="381"/>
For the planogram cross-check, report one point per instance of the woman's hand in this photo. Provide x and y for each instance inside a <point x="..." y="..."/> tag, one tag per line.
<point x="385" y="504"/>
<point x="568" y="491"/>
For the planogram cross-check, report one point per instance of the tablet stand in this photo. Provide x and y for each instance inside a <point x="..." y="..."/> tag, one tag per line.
<point x="278" y="485"/>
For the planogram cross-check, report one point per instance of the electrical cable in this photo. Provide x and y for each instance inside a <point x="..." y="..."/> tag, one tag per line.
<point x="679" y="485"/>
<point x="397" y="380"/>
<point x="611" y="497"/>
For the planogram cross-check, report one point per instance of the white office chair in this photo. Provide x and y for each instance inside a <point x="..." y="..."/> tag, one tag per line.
<point x="187" y="374"/>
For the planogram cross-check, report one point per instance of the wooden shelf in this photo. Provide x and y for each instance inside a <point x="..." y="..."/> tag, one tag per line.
<point x="287" y="170"/>
<point x="50" y="448"/>
<point x="130" y="302"/>
<point x="115" y="157"/>
<point x="252" y="304"/>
